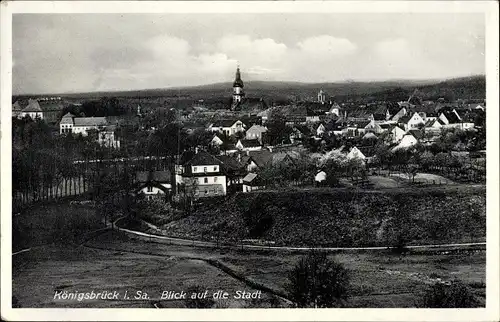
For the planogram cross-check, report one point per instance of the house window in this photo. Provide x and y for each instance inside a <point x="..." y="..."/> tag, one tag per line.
<point x="194" y="169"/>
<point x="215" y="179"/>
<point x="204" y="169"/>
<point x="206" y="192"/>
<point x="206" y="180"/>
<point x="150" y="189"/>
<point x="215" y="168"/>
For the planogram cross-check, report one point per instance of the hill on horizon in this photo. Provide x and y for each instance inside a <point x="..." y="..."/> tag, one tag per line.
<point x="462" y="87"/>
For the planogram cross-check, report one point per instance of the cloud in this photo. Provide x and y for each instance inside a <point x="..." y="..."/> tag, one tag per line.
<point x="326" y="45"/>
<point x="87" y="52"/>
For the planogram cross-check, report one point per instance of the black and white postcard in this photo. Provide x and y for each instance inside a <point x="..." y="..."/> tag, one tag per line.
<point x="250" y="161"/>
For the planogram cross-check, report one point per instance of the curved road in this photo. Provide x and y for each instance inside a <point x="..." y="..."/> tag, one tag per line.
<point x="200" y="243"/>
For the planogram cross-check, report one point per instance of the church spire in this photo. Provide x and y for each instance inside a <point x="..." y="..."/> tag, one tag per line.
<point x="238" y="93"/>
<point x="237" y="80"/>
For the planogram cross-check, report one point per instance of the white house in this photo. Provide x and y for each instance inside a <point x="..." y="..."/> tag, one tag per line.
<point x="228" y="127"/>
<point x="320" y="129"/>
<point x="154" y="184"/>
<point x="201" y="172"/>
<point x="33" y="110"/>
<point x="216" y="141"/>
<point x="252" y="182"/>
<point x="407" y="141"/>
<point x="434" y="125"/>
<point x="335" y="109"/>
<point x="355" y="153"/>
<point x="71" y="124"/>
<point x="397" y="134"/>
<point x="255" y="132"/>
<point x="415" y="121"/>
<point x="249" y="145"/>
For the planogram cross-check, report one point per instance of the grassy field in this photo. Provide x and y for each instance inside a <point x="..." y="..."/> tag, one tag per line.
<point x="343" y="217"/>
<point x="129" y="264"/>
<point x="53" y="223"/>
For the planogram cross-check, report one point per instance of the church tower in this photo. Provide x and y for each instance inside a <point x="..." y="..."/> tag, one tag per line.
<point x="238" y="93"/>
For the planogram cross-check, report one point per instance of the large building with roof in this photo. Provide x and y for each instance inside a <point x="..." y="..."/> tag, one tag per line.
<point x="201" y="174"/>
<point x="33" y="110"/>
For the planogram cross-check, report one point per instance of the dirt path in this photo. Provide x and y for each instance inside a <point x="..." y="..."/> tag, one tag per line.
<point x="200" y="243"/>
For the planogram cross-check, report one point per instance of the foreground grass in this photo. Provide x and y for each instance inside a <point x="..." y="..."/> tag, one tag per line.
<point x="378" y="279"/>
<point x="342" y="217"/>
<point x="53" y="223"/>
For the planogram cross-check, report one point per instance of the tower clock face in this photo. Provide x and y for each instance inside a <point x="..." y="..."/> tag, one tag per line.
<point x="237" y="90"/>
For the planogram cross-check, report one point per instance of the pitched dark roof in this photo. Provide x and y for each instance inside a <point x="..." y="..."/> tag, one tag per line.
<point x="451" y="117"/>
<point x="250" y="143"/>
<point x="203" y="158"/>
<point x="231" y="163"/>
<point x="90" y="121"/>
<point x="404" y="119"/>
<point x="16" y="106"/>
<point x="261" y="158"/>
<point x="153" y="176"/>
<point x="224" y="123"/>
<point x="33" y="106"/>
<point x="418" y="134"/>
<point x="379" y="116"/>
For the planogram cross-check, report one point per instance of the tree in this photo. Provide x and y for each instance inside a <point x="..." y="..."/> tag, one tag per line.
<point x="455" y="295"/>
<point x="317" y="281"/>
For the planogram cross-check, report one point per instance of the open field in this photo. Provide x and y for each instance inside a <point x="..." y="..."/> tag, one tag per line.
<point x="125" y="263"/>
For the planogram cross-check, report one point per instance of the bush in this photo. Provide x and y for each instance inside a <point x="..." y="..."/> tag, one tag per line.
<point x="317" y="281"/>
<point x="455" y="295"/>
<point x="197" y="303"/>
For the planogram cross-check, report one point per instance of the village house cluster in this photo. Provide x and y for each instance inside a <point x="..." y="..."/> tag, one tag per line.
<point x="242" y="140"/>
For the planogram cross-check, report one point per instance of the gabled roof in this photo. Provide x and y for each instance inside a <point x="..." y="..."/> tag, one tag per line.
<point x="404" y="119"/>
<point x="369" y="135"/>
<point x="250" y="177"/>
<point x="452" y="117"/>
<point x="261" y="158"/>
<point x="203" y="158"/>
<point x="231" y="163"/>
<point x="33" y="106"/>
<point x="153" y="176"/>
<point x="16" y="106"/>
<point x="224" y="123"/>
<point x="417" y="134"/>
<point x="386" y="126"/>
<point x="257" y="128"/>
<point x="379" y="116"/>
<point x="90" y="121"/>
<point x="250" y="143"/>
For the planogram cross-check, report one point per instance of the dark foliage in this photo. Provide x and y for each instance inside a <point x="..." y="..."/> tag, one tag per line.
<point x="456" y="295"/>
<point x="318" y="282"/>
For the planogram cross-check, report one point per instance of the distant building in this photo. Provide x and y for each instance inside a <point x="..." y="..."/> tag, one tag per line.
<point x="33" y="110"/>
<point x="81" y="125"/>
<point x="255" y="132"/>
<point x="228" y="127"/>
<point x="154" y="184"/>
<point x="249" y="145"/>
<point x="322" y="97"/>
<point x="16" y="109"/>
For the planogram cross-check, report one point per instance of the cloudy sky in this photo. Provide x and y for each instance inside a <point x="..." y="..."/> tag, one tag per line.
<point x="56" y="53"/>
